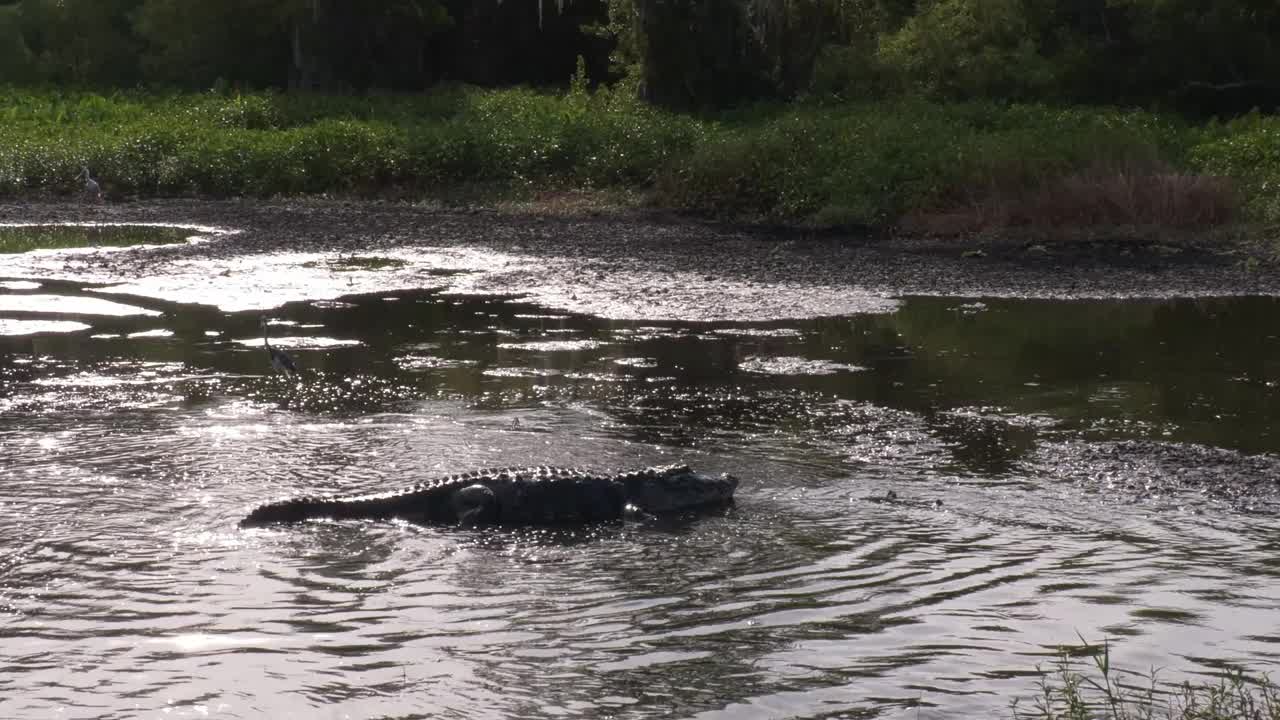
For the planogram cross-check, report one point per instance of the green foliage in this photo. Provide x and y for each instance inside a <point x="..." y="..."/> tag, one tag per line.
<point x="1113" y="51"/>
<point x="847" y="72"/>
<point x="81" y="42"/>
<point x="864" y="164"/>
<point x="263" y="144"/>
<point x="1205" y="58"/>
<point x="17" y="65"/>
<point x="869" y="164"/>
<point x="849" y="164"/>
<point x="253" y="43"/>
<point x="1247" y="149"/>
<point x="194" y="44"/>
<point x="244" y="112"/>
<point x="970" y="48"/>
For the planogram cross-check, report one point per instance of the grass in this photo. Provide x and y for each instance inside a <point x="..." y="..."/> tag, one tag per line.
<point x="17" y="239"/>
<point x="906" y="164"/>
<point x="264" y="144"/>
<point x="1107" y="693"/>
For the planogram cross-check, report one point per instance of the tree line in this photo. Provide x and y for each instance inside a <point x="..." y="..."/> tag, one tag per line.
<point x="1204" y="57"/>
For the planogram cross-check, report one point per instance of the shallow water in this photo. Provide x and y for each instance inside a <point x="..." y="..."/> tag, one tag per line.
<point x="19" y="238"/>
<point x="1103" y="468"/>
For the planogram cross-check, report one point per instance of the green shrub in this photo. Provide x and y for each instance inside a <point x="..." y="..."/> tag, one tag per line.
<point x="1248" y="150"/>
<point x="862" y="163"/>
<point x="871" y="163"/>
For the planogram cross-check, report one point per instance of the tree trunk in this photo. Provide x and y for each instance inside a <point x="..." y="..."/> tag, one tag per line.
<point x="309" y="71"/>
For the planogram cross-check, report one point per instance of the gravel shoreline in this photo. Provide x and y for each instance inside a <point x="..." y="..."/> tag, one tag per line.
<point x="642" y="264"/>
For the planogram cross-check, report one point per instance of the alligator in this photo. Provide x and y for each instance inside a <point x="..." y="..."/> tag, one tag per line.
<point x="517" y="496"/>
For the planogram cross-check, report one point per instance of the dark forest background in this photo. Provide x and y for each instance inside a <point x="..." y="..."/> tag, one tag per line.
<point x="1202" y="57"/>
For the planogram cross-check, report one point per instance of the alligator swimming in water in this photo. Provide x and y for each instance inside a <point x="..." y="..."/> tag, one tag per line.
<point x="517" y="496"/>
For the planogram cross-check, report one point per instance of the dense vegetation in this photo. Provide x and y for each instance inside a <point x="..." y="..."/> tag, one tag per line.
<point x="937" y="115"/>
<point x="1202" y="56"/>
<point x="943" y="167"/>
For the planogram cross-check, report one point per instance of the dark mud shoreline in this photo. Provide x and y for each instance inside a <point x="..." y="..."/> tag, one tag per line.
<point x="602" y="250"/>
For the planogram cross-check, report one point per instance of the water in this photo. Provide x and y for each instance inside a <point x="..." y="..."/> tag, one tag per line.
<point x="22" y="238"/>
<point x="1094" y="468"/>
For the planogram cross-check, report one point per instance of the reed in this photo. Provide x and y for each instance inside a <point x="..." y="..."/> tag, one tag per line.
<point x="1105" y="692"/>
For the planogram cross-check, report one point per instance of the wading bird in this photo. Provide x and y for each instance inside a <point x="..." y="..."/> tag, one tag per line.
<point x="91" y="187"/>
<point x="279" y="359"/>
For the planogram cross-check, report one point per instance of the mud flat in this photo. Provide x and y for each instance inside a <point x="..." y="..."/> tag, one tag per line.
<point x="623" y="265"/>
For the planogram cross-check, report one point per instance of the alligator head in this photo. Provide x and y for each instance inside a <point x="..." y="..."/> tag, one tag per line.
<point x="674" y="488"/>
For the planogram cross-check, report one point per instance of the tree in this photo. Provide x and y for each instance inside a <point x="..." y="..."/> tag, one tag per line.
<point x="376" y="42"/>
<point x="81" y="42"/>
<point x="17" y="65"/>
<point x="971" y="48"/>
<point x="690" y="53"/>
<point x="1217" y="54"/>
<point x="196" y="44"/>
<point x="302" y="44"/>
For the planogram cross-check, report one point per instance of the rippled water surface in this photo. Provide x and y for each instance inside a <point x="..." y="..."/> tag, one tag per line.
<point x="1105" y="469"/>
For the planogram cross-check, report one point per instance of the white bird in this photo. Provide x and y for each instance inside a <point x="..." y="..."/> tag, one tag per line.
<point x="279" y="359"/>
<point x="91" y="186"/>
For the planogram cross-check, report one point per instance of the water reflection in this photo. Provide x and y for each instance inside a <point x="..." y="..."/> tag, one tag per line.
<point x="24" y="237"/>
<point x="1058" y="468"/>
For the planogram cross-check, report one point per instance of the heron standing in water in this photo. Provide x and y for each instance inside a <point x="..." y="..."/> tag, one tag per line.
<point x="91" y="187"/>
<point x="280" y="360"/>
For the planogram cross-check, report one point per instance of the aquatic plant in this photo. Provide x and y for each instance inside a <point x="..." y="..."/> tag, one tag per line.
<point x="1108" y="693"/>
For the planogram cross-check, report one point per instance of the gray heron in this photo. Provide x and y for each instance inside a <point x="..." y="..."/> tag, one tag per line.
<point x="91" y="186"/>
<point x="280" y="360"/>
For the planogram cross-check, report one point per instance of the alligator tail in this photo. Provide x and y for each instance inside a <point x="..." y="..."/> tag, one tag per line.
<point x="301" y="509"/>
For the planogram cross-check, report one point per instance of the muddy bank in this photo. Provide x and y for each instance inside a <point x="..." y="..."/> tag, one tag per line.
<point x="652" y="266"/>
